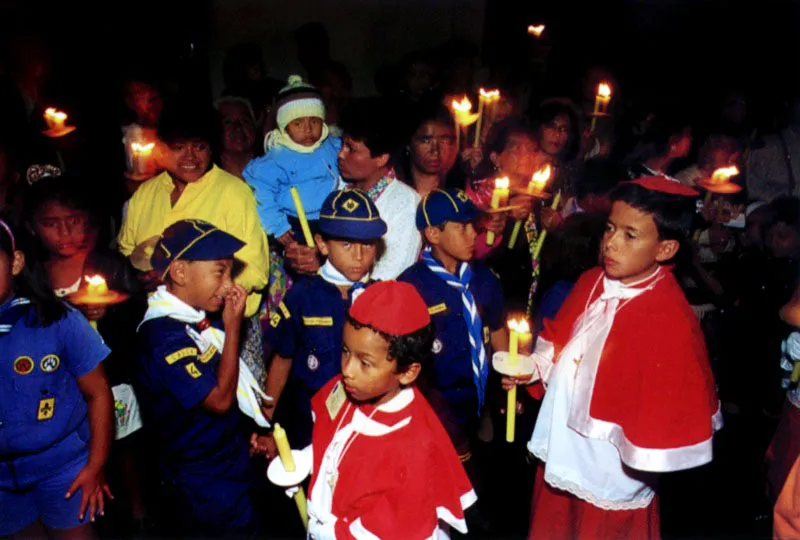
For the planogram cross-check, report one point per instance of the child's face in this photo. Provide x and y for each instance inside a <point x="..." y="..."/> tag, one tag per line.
<point x="61" y="229"/>
<point x="188" y="161"/>
<point x="305" y="131"/>
<point x="631" y="247"/>
<point x="367" y="371"/>
<point x="433" y="148"/>
<point x="206" y="283"/>
<point x="353" y="258"/>
<point x="457" y="240"/>
<point x="10" y="266"/>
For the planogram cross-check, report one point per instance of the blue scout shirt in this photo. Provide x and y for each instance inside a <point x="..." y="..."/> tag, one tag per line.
<point x="172" y="380"/>
<point x="452" y="357"/>
<point x="43" y="414"/>
<point x="308" y="328"/>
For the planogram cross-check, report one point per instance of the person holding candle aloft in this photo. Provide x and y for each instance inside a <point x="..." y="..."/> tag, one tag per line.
<point x="383" y="466"/>
<point x="306" y="331"/>
<point x="299" y="153"/>
<point x="630" y="393"/>
<point x="465" y="300"/>
<point x="55" y="408"/>
<point x="188" y="376"/>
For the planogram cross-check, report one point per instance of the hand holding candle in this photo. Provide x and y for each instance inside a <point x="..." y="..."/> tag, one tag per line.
<point x="520" y="338"/>
<point x="540" y="241"/>
<point x="535" y="189"/>
<point x="601" y="102"/>
<point x="285" y="455"/>
<point x="499" y="198"/>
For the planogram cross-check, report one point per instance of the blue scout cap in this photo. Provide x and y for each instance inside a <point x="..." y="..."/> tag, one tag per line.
<point x="442" y="205"/>
<point x="351" y="214"/>
<point x="193" y="240"/>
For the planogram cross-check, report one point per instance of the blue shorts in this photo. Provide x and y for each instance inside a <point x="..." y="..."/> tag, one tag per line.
<point x="43" y="500"/>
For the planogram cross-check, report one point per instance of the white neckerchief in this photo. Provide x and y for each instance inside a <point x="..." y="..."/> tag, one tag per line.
<point x="329" y="273"/>
<point x="164" y="304"/>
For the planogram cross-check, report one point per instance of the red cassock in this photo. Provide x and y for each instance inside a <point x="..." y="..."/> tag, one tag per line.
<point x="638" y="380"/>
<point x="385" y="473"/>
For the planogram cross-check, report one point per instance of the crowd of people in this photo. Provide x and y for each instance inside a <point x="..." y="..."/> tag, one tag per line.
<point x="291" y="255"/>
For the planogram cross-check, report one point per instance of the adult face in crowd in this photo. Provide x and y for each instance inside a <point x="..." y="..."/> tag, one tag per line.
<point x="188" y="135"/>
<point x="557" y="130"/>
<point x="432" y="151"/>
<point x="238" y="134"/>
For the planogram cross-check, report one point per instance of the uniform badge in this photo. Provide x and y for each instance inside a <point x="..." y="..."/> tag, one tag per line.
<point x="47" y="407"/>
<point x="50" y="363"/>
<point x="350" y="205"/>
<point x="335" y="400"/>
<point x="313" y="362"/>
<point x="192" y="370"/>
<point x="23" y="365"/>
<point x="437" y="346"/>
<point x="461" y="196"/>
<point x="274" y="320"/>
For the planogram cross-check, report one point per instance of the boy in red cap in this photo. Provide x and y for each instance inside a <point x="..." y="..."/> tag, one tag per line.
<point x="383" y="466"/>
<point x="629" y="389"/>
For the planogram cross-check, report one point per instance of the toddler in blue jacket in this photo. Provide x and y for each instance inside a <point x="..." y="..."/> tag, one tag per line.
<point x="299" y="153"/>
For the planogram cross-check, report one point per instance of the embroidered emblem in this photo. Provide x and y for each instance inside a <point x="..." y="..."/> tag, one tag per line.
<point x="318" y="321"/>
<point x="192" y="370"/>
<point x="284" y="310"/>
<point x="335" y="400"/>
<point x="49" y="363"/>
<point x="121" y="412"/>
<point x="206" y="356"/>
<point x="438" y="308"/>
<point x="461" y="196"/>
<point x="437" y="346"/>
<point x="313" y="362"/>
<point x="183" y="353"/>
<point x="47" y="407"/>
<point x="350" y="205"/>
<point x="274" y="320"/>
<point x="23" y="365"/>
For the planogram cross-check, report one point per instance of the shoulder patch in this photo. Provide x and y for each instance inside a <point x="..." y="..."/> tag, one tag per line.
<point x="192" y="370"/>
<point x="318" y="321"/>
<point x="284" y="310"/>
<point x="183" y="353"/>
<point x="275" y="320"/>
<point x="438" y="308"/>
<point x="206" y="356"/>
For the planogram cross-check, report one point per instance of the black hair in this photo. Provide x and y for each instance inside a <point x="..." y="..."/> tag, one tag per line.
<point x="575" y="247"/>
<point x="499" y="141"/>
<point x="784" y="209"/>
<point x="405" y="350"/>
<point x="548" y="112"/>
<point x="665" y="126"/>
<point x="672" y="214"/>
<point x="33" y="285"/>
<point x="190" y="120"/>
<point x="599" y="177"/>
<point x="428" y="111"/>
<point x="366" y="121"/>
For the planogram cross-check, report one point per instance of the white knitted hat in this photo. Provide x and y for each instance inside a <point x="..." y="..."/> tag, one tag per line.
<point x="297" y="100"/>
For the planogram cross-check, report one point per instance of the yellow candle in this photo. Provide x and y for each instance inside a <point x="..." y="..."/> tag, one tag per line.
<point x="96" y="285"/>
<point x="535" y="187"/>
<point x="540" y="241"/>
<point x="499" y="198"/>
<point x="284" y="450"/>
<point x="462" y="112"/>
<point x="601" y="101"/>
<point x="481" y="104"/>
<point x="301" y="215"/>
<point x="520" y="338"/>
<point x="796" y="372"/>
<point x="140" y="157"/>
<point x="56" y="120"/>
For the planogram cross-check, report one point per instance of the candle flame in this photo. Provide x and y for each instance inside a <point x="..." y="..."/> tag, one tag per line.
<point x="540" y="177"/>
<point x="139" y="147"/>
<point x="604" y="90"/>
<point x="97" y="279"/>
<point x="55" y="114"/>
<point x="536" y="30"/>
<point x="463" y="106"/>
<point x="501" y="183"/>
<point x="490" y="95"/>
<point x="520" y="326"/>
<point x="723" y="174"/>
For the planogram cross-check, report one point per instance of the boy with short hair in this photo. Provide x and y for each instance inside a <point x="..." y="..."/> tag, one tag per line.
<point x="306" y="330"/>
<point x="383" y="467"/>
<point x="187" y="385"/>
<point x="629" y="389"/>
<point x="465" y="300"/>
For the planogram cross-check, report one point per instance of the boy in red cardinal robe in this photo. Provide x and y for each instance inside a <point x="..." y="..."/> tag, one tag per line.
<point x="383" y="465"/>
<point x="629" y="391"/>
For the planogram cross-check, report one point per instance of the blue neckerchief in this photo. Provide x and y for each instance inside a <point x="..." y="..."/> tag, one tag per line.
<point x="11" y="312"/>
<point x="480" y="368"/>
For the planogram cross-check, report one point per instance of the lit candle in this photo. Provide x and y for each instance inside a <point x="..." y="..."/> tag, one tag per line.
<point x="140" y="157"/>
<point x="536" y="30"/>
<point x="56" y="120"/>
<point x="285" y="454"/>
<point x="536" y="189"/>
<point x="720" y="177"/>
<point x="601" y="101"/>
<point x="485" y="100"/>
<point x="96" y="285"/>
<point x="462" y="112"/>
<point x="301" y="215"/>
<point x="520" y="338"/>
<point x="499" y="198"/>
<point x="540" y="241"/>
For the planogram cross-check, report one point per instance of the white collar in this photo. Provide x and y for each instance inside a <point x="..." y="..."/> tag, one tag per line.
<point x="613" y="288"/>
<point x="372" y="428"/>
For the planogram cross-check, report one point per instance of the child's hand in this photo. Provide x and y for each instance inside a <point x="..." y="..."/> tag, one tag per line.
<point x="286" y="239"/>
<point x="263" y="445"/>
<point x="550" y="218"/>
<point x="302" y="259"/>
<point x="92" y="313"/>
<point x="472" y="156"/>
<point x="92" y="484"/>
<point x="511" y="382"/>
<point x="233" y="312"/>
<point x="525" y="202"/>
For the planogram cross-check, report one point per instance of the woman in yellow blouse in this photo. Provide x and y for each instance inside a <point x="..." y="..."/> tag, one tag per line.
<point x="192" y="187"/>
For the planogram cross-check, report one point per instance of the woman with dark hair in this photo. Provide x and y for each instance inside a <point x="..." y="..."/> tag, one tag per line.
<point x="431" y="152"/>
<point x="668" y="138"/>
<point x="192" y="187"/>
<point x="559" y="134"/>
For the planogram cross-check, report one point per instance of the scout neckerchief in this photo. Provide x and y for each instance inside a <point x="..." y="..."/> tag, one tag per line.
<point x="11" y="312"/>
<point x="163" y="304"/>
<point x="329" y="273"/>
<point x="480" y="368"/>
